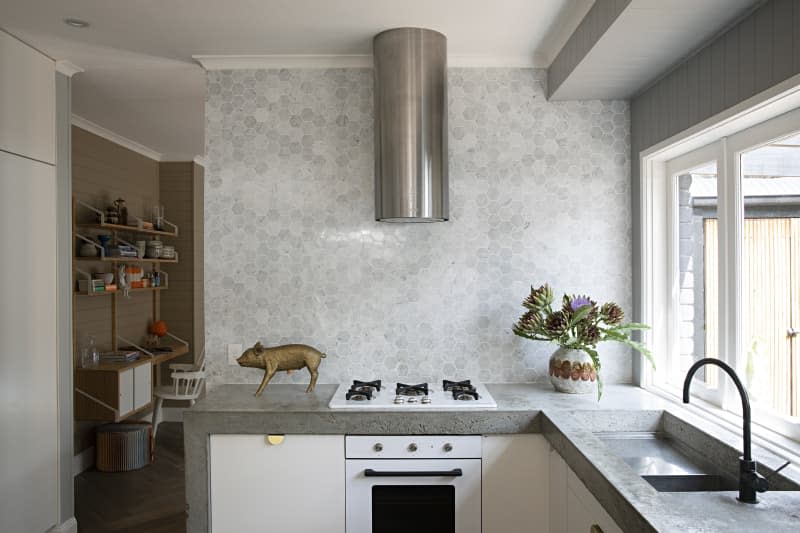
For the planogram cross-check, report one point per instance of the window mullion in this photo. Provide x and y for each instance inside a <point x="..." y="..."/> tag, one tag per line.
<point x="731" y="215"/>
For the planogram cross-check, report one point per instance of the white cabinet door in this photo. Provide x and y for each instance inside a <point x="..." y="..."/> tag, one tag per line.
<point x="125" y="392"/>
<point x="573" y="509"/>
<point x="515" y="484"/>
<point x="142" y="385"/>
<point x="293" y="487"/>
<point x="27" y="102"/>
<point x="28" y="347"/>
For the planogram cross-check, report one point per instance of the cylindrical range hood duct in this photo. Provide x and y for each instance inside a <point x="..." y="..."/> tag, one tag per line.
<point x="411" y="182"/>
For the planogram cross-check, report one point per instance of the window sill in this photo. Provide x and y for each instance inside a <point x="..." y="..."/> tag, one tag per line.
<point x="769" y="447"/>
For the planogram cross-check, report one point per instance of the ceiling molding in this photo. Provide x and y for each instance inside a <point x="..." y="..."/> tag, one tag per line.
<point x="252" y="62"/>
<point x="179" y="158"/>
<point x="115" y="138"/>
<point x="234" y="62"/>
<point x="67" y="68"/>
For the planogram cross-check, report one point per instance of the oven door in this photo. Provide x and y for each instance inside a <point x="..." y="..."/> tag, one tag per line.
<point x="420" y="495"/>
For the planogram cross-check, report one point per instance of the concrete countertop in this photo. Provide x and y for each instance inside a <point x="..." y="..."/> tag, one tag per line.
<point x="568" y="422"/>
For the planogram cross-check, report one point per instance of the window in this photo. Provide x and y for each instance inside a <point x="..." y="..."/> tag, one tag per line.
<point x="723" y="269"/>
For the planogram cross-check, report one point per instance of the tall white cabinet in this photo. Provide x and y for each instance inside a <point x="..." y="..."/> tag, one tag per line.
<point x="28" y="321"/>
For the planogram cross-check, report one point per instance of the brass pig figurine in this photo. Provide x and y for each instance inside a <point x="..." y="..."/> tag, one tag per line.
<point x="288" y="357"/>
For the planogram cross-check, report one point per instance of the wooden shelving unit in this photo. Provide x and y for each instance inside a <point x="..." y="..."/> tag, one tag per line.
<point x="117" y="391"/>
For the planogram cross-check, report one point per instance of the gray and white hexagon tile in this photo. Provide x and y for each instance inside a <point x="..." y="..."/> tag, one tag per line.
<point x="539" y="192"/>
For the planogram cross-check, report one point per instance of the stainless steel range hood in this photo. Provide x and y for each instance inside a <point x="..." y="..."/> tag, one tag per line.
<point x="411" y="181"/>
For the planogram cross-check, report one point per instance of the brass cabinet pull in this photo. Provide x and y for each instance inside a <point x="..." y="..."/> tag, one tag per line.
<point x="275" y="440"/>
<point x="595" y="529"/>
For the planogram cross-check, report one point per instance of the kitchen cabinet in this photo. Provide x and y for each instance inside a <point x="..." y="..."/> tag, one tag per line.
<point x="573" y="509"/>
<point x="27" y="102"/>
<point x="296" y="485"/>
<point x="515" y="490"/>
<point x="28" y="343"/>
<point x="113" y="391"/>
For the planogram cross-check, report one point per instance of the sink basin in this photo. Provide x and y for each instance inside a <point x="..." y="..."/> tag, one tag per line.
<point x="665" y="463"/>
<point x="691" y="483"/>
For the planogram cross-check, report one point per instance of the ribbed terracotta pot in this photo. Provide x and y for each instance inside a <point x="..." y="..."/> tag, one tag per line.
<point x="572" y="371"/>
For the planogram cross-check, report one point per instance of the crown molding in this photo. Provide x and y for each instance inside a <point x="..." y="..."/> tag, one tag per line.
<point x="252" y="62"/>
<point x="234" y="62"/>
<point x="115" y="138"/>
<point x="200" y="160"/>
<point x="67" y="68"/>
<point x="179" y="158"/>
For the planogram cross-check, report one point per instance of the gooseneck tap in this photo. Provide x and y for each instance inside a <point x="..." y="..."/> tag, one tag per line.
<point x="750" y="481"/>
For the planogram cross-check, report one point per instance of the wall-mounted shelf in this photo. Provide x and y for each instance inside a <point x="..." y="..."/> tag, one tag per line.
<point x="126" y="259"/>
<point x="109" y="293"/>
<point x="132" y="229"/>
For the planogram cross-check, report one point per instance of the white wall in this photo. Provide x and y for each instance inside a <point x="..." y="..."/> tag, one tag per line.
<point x="29" y="484"/>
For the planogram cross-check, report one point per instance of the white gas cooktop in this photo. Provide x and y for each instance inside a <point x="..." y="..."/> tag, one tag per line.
<point x="466" y="395"/>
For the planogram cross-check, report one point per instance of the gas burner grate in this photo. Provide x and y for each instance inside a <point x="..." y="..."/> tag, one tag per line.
<point x="411" y="390"/>
<point x="465" y="394"/>
<point x="374" y="384"/>
<point x="448" y="385"/>
<point x="363" y="390"/>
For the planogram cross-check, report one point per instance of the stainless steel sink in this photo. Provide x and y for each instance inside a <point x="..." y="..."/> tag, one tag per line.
<point x="665" y="463"/>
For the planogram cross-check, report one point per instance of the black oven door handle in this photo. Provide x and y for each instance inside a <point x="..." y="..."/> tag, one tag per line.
<point x="456" y="472"/>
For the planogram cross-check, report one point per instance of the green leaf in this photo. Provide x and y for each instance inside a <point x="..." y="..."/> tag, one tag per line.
<point x="579" y="315"/>
<point x="631" y="326"/>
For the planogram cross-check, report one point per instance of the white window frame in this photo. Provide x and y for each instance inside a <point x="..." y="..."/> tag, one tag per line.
<point x="753" y="123"/>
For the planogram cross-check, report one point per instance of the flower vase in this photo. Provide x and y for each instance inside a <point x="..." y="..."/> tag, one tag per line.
<point x="572" y="371"/>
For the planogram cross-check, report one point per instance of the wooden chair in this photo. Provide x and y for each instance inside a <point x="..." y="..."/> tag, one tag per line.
<point x="187" y="383"/>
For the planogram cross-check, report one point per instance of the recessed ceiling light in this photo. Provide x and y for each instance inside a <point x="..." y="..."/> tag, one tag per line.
<point x="76" y="23"/>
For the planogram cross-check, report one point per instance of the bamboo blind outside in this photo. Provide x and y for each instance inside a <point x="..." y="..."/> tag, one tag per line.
<point x="771" y="302"/>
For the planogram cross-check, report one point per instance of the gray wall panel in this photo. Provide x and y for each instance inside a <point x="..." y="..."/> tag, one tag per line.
<point x="764" y="39"/>
<point x="783" y="15"/>
<point x="731" y="66"/>
<point x="747" y="58"/>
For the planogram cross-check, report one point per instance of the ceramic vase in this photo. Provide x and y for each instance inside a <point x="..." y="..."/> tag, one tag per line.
<point x="572" y="371"/>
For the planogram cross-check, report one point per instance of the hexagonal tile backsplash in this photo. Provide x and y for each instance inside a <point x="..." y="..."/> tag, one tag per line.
<point x="539" y="192"/>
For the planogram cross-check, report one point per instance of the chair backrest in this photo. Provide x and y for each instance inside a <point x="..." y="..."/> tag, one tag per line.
<point x="187" y="384"/>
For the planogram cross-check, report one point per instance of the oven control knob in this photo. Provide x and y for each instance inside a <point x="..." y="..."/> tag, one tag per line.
<point x="412" y="447"/>
<point x="378" y="447"/>
<point x="448" y="447"/>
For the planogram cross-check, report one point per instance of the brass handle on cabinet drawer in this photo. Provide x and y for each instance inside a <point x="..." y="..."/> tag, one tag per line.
<point x="275" y="439"/>
<point x="595" y="529"/>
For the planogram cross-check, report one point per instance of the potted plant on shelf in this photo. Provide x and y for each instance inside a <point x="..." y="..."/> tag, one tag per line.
<point x="576" y="327"/>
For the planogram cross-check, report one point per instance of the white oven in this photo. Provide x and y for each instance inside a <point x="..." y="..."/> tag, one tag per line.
<point x="413" y="483"/>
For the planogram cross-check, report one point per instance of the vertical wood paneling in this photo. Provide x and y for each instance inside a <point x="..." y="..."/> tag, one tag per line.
<point x="796" y="38"/>
<point x="704" y="84"/>
<point x="783" y="35"/>
<point x="730" y="43"/>
<point x="794" y="346"/>
<point x="717" y="76"/>
<point x="681" y="101"/>
<point x="747" y="58"/>
<point x="762" y="50"/>
<point x="692" y="91"/>
<point x="764" y="38"/>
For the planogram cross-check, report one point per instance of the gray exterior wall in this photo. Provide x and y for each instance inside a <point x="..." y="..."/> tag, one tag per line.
<point x="760" y="51"/>
<point x="599" y="18"/>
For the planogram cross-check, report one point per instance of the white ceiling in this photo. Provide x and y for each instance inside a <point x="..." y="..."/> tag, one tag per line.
<point x="140" y="80"/>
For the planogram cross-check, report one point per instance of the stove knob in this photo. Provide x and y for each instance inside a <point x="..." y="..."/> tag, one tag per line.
<point x="378" y="447"/>
<point x="412" y="447"/>
<point x="448" y="447"/>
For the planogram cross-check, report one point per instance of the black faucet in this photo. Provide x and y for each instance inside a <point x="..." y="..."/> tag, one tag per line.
<point x="750" y="481"/>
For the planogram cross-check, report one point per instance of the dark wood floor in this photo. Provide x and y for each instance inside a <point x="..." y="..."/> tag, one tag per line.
<point x="148" y="500"/>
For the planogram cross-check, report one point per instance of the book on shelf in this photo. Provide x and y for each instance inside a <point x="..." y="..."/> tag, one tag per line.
<point x="119" y="356"/>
